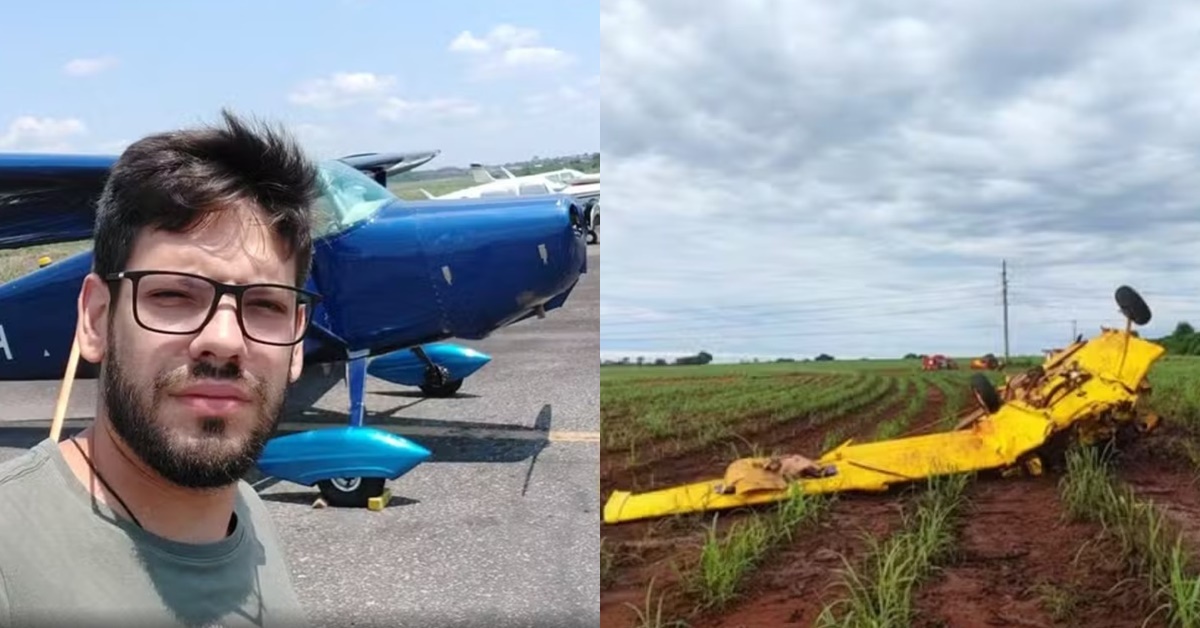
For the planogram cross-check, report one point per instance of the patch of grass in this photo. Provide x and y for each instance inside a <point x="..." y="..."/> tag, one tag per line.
<point x="1091" y="493"/>
<point x="411" y="190"/>
<point x="651" y="615"/>
<point x="880" y="591"/>
<point x="726" y="561"/>
<point x="1059" y="602"/>
<point x="17" y="262"/>
<point x="607" y="560"/>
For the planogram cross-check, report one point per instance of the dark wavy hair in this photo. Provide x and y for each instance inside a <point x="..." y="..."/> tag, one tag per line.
<point x="176" y="181"/>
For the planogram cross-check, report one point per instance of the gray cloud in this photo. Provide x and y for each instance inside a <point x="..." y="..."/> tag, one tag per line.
<point x="796" y="157"/>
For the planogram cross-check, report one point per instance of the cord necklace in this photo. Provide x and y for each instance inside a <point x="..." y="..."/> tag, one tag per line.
<point x="106" y="486"/>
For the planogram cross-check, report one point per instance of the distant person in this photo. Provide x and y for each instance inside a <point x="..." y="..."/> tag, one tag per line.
<point x="142" y="519"/>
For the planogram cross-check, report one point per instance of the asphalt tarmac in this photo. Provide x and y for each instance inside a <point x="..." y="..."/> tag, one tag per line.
<point x="498" y="529"/>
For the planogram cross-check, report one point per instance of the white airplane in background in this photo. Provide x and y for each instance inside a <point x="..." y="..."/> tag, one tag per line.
<point x="566" y="181"/>
<point x="585" y="187"/>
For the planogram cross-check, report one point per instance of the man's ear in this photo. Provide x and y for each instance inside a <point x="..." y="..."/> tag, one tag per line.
<point x="92" y="327"/>
<point x="297" y="361"/>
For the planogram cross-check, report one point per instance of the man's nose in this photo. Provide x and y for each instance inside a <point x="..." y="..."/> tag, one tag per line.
<point x="222" y="335"/>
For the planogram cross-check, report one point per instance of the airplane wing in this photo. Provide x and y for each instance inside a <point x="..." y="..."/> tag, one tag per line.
<point x="48" y="198"/>
<point x="380" y="165"/>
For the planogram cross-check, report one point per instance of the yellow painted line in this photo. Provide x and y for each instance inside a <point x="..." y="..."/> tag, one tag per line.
<point x="574" y="437"/>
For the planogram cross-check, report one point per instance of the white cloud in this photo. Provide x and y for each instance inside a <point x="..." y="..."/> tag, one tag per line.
<point x="466" y="42"/>
<point x="507" y="47"/>
<point x="347" y="89"/>
<point x="535" y="57"/>
<point x="398" y="109"/>
<point x="342" y="89"/>
<point x="790" y="178"/>
<point x="89" y="66"/>
<point x="41" y="135"/>
<point x="575" y="98"/>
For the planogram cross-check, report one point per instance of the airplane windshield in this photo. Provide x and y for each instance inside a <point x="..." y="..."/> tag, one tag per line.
<point x="348" y="196"/>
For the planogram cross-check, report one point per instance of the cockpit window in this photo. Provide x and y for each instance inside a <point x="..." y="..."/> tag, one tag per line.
<point x="348" y="196"/>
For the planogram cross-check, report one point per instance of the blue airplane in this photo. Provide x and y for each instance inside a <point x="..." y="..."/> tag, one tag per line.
<point x="397" y="278"/>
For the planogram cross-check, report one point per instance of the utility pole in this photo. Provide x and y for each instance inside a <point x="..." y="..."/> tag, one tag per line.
<point x="1004" y="282"/>
<point x="1073" y="334"/>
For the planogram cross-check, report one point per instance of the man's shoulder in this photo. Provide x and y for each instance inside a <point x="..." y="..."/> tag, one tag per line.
<point x="249" y="494"/>
<point x="29" y="469"/>
<point x="256" y="508"/>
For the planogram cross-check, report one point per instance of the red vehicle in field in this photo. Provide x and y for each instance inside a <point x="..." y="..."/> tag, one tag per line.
<point x="937" y="362"/>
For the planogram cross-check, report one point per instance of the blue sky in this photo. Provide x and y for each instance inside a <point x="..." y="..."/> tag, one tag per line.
<point x="480" y="80"/>
<point x="793" y="177"/>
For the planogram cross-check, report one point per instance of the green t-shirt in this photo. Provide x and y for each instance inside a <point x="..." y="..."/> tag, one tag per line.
<point x="68" y="560"/>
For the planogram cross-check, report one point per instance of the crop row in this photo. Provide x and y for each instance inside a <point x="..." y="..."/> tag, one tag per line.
<point x="691" y="423"/>
<point x="694" y="414"/>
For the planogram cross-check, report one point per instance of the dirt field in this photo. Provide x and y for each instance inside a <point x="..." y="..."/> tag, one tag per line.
<point x="1011" y="554"/>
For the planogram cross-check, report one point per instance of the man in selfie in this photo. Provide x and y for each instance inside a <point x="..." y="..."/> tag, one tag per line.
<point x="195" y="312"/>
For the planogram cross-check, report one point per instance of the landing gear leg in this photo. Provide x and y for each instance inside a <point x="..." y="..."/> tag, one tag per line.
<point x="437" y="377"/>
<point x="353" y="492"/>
<point x="356" y="379"/>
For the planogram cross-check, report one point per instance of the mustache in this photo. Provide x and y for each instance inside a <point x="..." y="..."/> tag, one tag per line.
<point x="206" y="370"/>
<point x="183" y="376"/>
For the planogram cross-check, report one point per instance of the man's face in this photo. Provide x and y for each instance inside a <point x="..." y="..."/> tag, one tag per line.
<point x="153" y="384"/>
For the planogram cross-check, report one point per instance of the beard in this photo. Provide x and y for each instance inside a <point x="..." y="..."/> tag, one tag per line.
<point x="214" y="459"/>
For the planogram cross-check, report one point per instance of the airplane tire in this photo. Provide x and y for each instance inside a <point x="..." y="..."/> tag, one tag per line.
<point x="985" y="393"/>
<point x="1132" y="305"/>
<point x="351" y="492"/>
<point x="444" y="390"/>
<point x="593" y="216"/>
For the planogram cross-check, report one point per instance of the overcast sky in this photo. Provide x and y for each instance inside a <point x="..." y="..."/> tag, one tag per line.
<point x="483" y="81"/>
<point x="789" y="177"/>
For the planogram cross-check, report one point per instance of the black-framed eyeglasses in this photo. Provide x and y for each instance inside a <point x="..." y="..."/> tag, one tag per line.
<point x="170" y="302"/>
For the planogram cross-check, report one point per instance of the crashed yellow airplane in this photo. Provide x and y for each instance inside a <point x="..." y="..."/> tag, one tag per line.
<point x="1088" y="391"/>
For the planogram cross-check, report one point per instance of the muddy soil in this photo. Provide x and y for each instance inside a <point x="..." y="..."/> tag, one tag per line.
<point x="799" y="580"/>
<point x="1157" y="472"/>
<point x="1019" y="563"/>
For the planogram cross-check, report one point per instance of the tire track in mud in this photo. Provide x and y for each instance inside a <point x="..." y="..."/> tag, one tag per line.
<point x="934" y="407"/>
<point x="1020" y="563"/>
